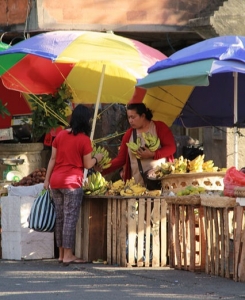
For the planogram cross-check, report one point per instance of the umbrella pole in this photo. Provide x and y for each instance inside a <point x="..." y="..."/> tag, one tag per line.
<point x="96" y="112"/>
<point x="97" y="102"/>
<point x="235" y="74"/>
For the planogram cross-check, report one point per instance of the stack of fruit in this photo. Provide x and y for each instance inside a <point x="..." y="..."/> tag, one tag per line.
<point x="106" y="160"/>
<point x="150" y="141"/>
<point x="191" y="190"/>
<point x="95" y="184"/>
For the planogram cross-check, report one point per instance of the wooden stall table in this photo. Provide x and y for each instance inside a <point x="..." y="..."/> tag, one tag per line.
<point x="123" y="231"/>
<point x="186" y="233"/>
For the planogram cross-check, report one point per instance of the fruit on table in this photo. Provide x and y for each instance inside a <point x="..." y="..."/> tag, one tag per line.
<point x="95" y="184"/>
<point x="37" y="176"/>
<point x="191" y="190"/>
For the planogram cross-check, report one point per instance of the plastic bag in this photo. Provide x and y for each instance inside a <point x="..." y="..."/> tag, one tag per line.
<point x="233" y="178"/>
<point x="42" y="216"/>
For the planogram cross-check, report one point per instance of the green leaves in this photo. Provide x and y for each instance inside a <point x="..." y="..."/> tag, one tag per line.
<point x="49" y="111"/>
<point x="3" y="110"/>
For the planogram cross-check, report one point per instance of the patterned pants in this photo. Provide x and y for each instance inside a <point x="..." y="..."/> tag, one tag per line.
<point x="67" y="206"/>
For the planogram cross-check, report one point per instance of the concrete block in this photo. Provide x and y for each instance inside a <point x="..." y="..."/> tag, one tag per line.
<point x="18" y="241"/>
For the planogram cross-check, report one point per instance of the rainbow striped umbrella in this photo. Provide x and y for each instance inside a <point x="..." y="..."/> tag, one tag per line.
<point x="40" y="64"/>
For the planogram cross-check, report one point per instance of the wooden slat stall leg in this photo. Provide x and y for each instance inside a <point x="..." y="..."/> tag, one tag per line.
<point x="85" y="229"/>
<point x="114" y="231"/>
<point x="123" y="232"/>
<point x="222" y="243"/>
<point x="78" y="243"/>
<point x="140" y="240"/>
<point x="109" y="231"/>
<point x="183" y="225"/>
<point x="148" y="239"/>
<point x="242" y="259"/>
<point x="188" y="238"/>
<point x="156" y="233"/>
<point x="192" y="238"/>
<point x="118" y="220"/>
<point x="202" y="239"/>
<point x="227" y="242"/>
<point x="212" y="242"/>
<point x="238" y="215"/>
<point x="207" y="232"/>
<point x="164" y="245"/>
<point x="131" y="231"/>
<point x="217" y="244"/>
<point x="177" y="237"/>
<point x="171" y="235"/>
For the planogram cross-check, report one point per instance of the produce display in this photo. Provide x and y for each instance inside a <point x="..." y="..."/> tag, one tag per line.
<point x="106" y="160"/>
<point x="191" y="190"/>
<point x="37" y="176"/>
<point x="182" y="165"/>
<point x="97" y="185"/>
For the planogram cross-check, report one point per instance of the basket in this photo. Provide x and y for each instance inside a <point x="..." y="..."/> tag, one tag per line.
<point x="218" y="201"/>
<point x="184" y="200"/>
<point x="208" y="180"/>
<point x="239" y="191"/>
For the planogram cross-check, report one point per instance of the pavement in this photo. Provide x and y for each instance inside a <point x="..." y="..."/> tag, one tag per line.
<point x="47" y="279"/>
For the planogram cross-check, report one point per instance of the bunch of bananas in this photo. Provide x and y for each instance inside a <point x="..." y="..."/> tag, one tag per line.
<point x="105" y="163"/>
<point x="208" y="166"/>
<point x="132" y="189"/>
<point x="134" y="147"/>
<point x="116" y="187"/>
<point x="95" y="184"/>
<point x="161" y="170"/>
<point x="180" y="165"/>
<point x="195" y="165"/>
<point x="151" y="141"/>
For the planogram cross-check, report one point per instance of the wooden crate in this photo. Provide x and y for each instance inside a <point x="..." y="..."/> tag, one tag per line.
<point x="225" y="234"/>
<point x="186" y="233"/>
<point x="137" y="232"/>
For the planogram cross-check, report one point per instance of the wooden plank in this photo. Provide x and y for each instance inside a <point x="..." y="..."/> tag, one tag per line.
<point x="177" y="237"/>
<point x="123" y="232"/>
<point x="109" y="231"/>
<point x="85" y="229"/>
<point x="241" y="276"/>
<point x="188" y="239"/>
<point x="212" y="242"/>
<point x="238" y="215"/>
<point x="78" y="242"/>
<point x="206" y="222"/>
<point x="222" y="244"/>
<point x="131" y="231"/>
<point x="156" y="233"/>
<point x="227" y="242"/>
<point x="140" y="242"/>
<point x="202" y="239"/>
<point x="184" y="252"/>
<point x="148" y="243"/>
<point x="192" y="238"/>
<point x="164" y="240"/>
<point x="118" y="221"/>
<point x="114" y="231"/>
<point x="171" y="234"/>
<point x="216" y="239"/>
<point x="97" y="227"/>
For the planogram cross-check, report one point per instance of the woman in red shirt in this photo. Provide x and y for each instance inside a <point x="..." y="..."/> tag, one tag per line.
<point x="71" y="153"/>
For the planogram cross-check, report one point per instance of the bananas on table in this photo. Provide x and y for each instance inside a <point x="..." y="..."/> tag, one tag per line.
<point x="95" y="184"/>
<point x="105" y="163"/>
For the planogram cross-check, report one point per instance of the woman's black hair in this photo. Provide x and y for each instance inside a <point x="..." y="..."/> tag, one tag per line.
<point x="80" y="120"/>
<point x="141" y="109"/>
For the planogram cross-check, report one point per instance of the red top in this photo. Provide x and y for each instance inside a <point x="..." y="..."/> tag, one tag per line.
<point x="68" y="169"/>
<point x="167" y="150"/>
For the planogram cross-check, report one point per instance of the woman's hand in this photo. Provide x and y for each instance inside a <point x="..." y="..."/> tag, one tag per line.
<point x="145" y="153"/>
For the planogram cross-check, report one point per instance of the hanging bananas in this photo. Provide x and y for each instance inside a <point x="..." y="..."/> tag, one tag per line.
<point x="151" y="141"/>
<point x="105" y="163"/>
<point x="95" y="184"/>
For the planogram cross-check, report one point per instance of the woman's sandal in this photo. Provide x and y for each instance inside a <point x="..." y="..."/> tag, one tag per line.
<point x="75" y="262"/>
